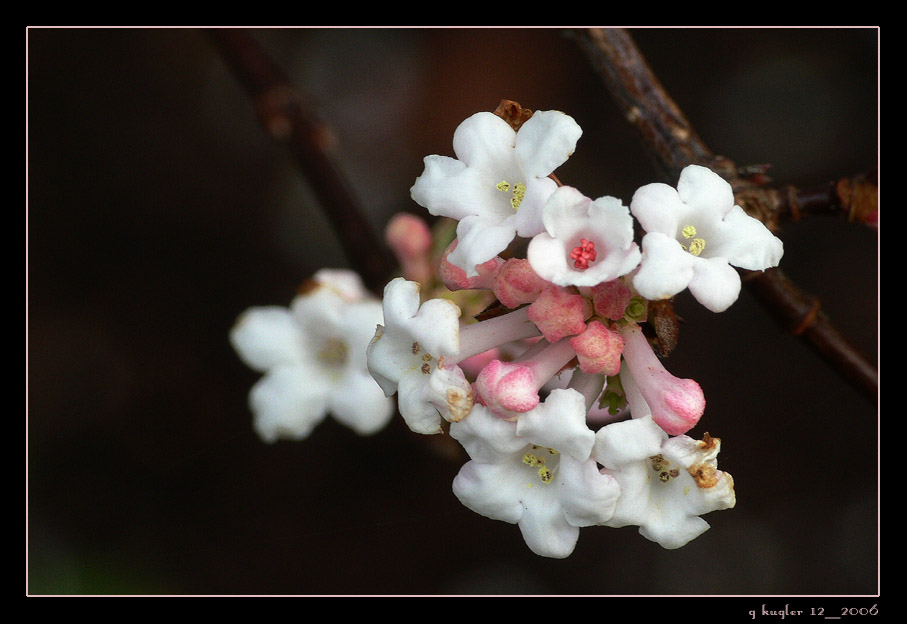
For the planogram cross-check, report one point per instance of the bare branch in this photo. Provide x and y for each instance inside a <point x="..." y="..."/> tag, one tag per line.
<point x="286" y="118"/>
<point x="674" y="144"/>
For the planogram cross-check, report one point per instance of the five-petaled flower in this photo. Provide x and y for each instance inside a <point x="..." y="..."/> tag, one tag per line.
<point x="695" y="235"/>
<point x="514" y="477"/>
<point x="406" y="354"/>
<point x="312" y="355"/>
<point x="666" y="484"/>
<point x="585" y="242"/>
<point x="499" y="182"/>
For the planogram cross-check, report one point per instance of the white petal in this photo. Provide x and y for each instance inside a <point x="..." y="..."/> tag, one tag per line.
<point x="674" y="532"/>
<point x="401" y="302"/>
<point x="288" y="402"/>
<point x="360" y="321"/>
<point x="448" y="188"/>
<point x="548" y="258"/>
<point x="318" y="312"/>
<point x="267" y="336"/>
<point x="486" y="489"/>
<point x="424" y="399"/>
<point x="486" y="437"/>
<point x="611" y="211"/>
<point x="347" y="283"/>
<point x="627" y="442"/>
<point x="715" y="284"/>
<point x="479" y="240"/>
<point x="388" y="359"/>
<point x="587" y="496"/>
<point x="437" y="327"/>
<point x="528" y="220"/>
<point x="484" y="141"/>
<point x="415" y="405"/>
<point x="658" y="208"/>
<point x="746" y="242"/>
<point x="560" y="423"/>
<point x="547" y="532"/>
<point x="359" y="403"/>
<point x="704" y="191"/>
<point x="665" y="270"/>
<point x="546" y="141"/>
<point x="566" y="213"/>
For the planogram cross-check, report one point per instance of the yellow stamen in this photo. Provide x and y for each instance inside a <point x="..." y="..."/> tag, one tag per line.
<point x="333" y="352"/>
<point x="697" y="245"/>
<point x="519" y="192"/>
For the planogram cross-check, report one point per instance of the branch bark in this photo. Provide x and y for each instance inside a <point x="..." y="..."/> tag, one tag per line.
<point x="284" y="115"/>
<point x="673" y="143"/>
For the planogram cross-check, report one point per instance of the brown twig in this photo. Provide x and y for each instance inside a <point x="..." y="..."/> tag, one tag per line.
<point x="284" y="115"/>
<point x="854" y="197"/>
<point x="674" y="144"/>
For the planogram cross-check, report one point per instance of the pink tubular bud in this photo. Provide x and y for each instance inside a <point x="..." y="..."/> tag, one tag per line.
<point x="558" y="313"/>
<point x="611" y="299"/>
<point x="475" y="363"/>
<point x="455" y="278"/>
<point x="676" y="404"/>
<point x="511" y="388"/>
<point x="517" y="283"/>
<point x="410" y="240"/>
<point x="507" y="387"/>
<point x="598" y="349"/>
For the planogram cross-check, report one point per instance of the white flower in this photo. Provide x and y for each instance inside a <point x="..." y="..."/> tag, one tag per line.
<point x="406" y="355"/>
<point x="693" y="236"/>
<point x="512" y="478"/>
<point x="585" y="242"/>
<point x="665" y="483"/>
<point x="498" y="183"/>
<point x="313" y="359"/>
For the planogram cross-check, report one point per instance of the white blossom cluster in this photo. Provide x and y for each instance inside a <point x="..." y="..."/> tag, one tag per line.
<point x="568" y="416"/>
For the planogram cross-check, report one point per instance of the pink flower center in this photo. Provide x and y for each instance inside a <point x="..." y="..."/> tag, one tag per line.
<point x="583" y="254"/>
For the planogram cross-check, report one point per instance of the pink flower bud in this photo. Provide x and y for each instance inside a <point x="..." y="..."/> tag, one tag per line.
<point x="410" y="240"/>
<point x="558" y="313"/>
<point x="507" y="387"/>
<point x="676" y="404"/>
<point x="611" y="299"/>
<point x="455" y="278"/>
<point x="474" y="364"/>
<point x="517" y="283"/>
<point x="511" y="388"/>
<point x="598" y="349"/>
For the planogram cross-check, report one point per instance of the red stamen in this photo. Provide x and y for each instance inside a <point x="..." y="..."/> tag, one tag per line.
<point x="583" y="254"/>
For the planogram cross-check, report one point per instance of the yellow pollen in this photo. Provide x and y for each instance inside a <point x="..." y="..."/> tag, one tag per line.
<point x="519" y="192"/>
<point x="697" y="245"/>
<point x="333" y="352"/>
<point x="545" y="475"/>
<point x="530" y="460"/>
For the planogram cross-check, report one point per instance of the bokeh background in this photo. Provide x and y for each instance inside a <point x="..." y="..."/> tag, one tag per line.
<point x="158" y="210"/>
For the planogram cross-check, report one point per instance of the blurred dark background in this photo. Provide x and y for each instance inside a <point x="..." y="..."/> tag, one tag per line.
<point x="158" y="210"/>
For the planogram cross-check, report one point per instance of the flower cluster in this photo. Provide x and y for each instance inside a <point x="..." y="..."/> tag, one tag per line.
<point x="535" y="362"/>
